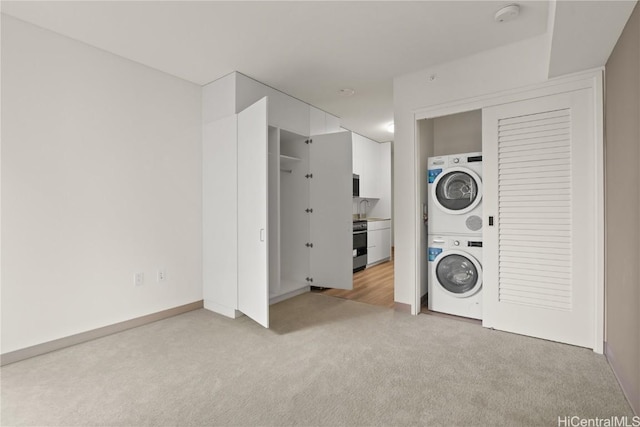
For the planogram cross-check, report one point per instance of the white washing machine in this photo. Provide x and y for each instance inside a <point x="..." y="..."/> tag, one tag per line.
<point x="455" y="194"/>
<point x="455" y="275"/>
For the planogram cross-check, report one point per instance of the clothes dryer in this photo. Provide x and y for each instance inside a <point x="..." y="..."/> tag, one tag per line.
<point x="455" y="194"/>
<point x="455" y="275"/>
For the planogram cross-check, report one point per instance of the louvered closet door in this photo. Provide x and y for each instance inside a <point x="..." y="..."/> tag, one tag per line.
<point x="539" y="256"/>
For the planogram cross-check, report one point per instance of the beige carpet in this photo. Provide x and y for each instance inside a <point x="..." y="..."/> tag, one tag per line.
<point x="326" y="361"/>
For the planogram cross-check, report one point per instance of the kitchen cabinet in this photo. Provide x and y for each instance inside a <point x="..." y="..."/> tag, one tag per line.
<point x="372" y="162"/>
<point x="367" y="164"/>
<point x="358" y="141"/>
<point x="283" y="197"/>
<point x="382" y="207"/>
<point x="378" y="241"/>
<point x="370" y="158"/>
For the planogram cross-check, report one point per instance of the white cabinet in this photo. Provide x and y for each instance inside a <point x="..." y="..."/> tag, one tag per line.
<point x="236" y="92"/>
<point x="220" y="215"/>
<point x="330" y="195"/>
<point x="370" y="158"/>
<point x="285" y="112"/>
<point x="372" y="162"/>
<point x="317" y="123"/>
<point x="284" y="200"/>
<point x="288" y="220"/>
<point x="367" y="154"/>
<point x="332" y="124"/>
<point x="321" y="122"/>
<point x="378" y="241"/>
<point x="357" y="149"/>
<point x="253" y="249"/>
<point x="381" y="208"/>
<point x="310" y="213"/>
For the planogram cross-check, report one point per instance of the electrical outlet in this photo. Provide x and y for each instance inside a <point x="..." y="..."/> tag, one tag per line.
<point x="162" y="275"/>
<point x="138" y="279"/>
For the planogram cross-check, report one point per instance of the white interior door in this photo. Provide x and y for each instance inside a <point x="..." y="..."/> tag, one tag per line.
<point x="253" y="247"/>
<point x="331" y="221"/>
<point x="540" y="189"/>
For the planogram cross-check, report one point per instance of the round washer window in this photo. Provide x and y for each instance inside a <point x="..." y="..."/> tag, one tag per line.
<point x="457" y="274"/>
<point x="456" y="190"/>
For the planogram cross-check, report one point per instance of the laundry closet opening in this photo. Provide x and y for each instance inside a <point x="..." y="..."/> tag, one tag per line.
<point x="449" y="150"/>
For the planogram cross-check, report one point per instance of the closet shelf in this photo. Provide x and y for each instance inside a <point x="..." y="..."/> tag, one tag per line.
<point x="288" y="162"/>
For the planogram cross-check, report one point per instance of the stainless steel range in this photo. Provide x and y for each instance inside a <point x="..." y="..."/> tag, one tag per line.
<point x="359" y="245"/>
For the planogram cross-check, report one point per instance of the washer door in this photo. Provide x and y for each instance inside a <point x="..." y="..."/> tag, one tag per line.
<point x="457" y="190"/>
<point x="458" y="273"/>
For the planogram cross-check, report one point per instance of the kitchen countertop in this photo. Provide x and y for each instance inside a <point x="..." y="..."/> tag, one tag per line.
<point x="371" y="219"/>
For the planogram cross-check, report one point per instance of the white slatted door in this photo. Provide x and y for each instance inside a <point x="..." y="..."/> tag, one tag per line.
<point x="540" y="189"/>
<point x="253" y="246"/>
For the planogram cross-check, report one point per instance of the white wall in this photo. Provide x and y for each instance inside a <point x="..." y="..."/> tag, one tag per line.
<point x="622" y="189"/>
<point x="457" y="133"/>
<point x="499" y="69"/>
<point x="101" y="178"/>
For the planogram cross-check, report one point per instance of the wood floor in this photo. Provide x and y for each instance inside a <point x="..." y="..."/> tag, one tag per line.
<point x="373" y="285"/>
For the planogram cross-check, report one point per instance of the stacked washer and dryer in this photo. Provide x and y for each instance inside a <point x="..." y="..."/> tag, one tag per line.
<point x="455" y="234"/>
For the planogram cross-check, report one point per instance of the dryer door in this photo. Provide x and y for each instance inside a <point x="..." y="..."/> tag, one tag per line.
<point x="457" y="190"/>
<point x="458" y="273"/>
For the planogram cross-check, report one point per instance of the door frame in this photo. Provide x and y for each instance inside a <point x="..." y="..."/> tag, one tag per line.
<point x="591" y="79"/>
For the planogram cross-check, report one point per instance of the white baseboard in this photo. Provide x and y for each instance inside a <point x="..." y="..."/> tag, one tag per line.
<point x="383" y="260"/>
<point x="280" y="298"/>
<point x="222" y="309"/>
<point x="400" y="306"/>
<point x="49" y="346"/>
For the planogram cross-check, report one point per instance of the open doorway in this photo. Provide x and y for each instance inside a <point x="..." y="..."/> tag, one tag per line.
<point x="450" y="193"/>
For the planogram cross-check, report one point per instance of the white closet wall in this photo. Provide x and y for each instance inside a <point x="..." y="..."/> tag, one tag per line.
<point x="293" y="258"/>
<point x="457" y="133"/>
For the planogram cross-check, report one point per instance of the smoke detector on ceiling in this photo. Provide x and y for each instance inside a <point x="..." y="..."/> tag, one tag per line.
<point x="347" y="92"/>
<point x="507" y="13"/>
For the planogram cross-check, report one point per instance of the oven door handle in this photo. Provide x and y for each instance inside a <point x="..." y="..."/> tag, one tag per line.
<point x="360" y="232"/>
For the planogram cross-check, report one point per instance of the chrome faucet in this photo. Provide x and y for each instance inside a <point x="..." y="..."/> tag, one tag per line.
<point x="360" y="215"/>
